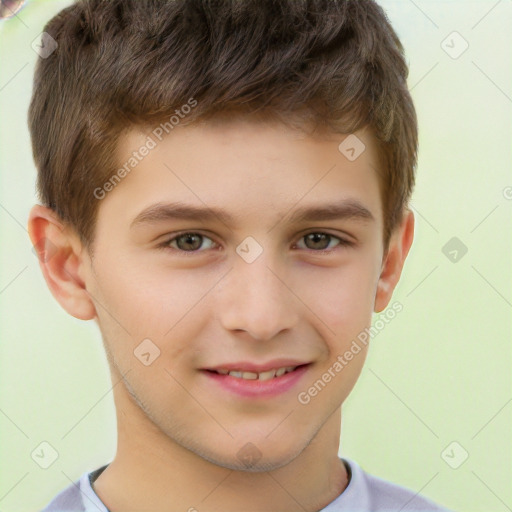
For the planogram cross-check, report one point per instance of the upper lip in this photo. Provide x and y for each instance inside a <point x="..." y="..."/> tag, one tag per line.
<point x="257" y="368"/>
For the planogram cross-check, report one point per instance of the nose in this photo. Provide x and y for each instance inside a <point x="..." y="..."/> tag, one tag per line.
<point x="256" y="298"/>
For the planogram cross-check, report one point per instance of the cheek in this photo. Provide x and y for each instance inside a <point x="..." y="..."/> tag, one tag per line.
<point x="135" y="303"/>
<point x="142" y="298"/>
<point x="343" y="297"/>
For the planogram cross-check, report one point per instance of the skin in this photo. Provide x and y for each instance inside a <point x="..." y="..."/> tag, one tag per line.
<point x="178" y="433"/>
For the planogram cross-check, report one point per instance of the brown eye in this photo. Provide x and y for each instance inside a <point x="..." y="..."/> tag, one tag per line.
<point x="319" y="241"/>
<point x="187" y="242"/>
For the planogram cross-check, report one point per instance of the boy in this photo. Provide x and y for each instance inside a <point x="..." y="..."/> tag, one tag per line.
<point x="225" y="188"/>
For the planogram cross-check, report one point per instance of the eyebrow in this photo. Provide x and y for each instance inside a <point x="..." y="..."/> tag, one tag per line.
<point x="347" y="209"/>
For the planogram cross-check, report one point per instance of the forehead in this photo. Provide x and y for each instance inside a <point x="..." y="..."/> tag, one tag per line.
<point x="246" y="168"/>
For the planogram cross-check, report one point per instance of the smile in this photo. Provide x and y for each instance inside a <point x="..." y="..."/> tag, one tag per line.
<point x="252" y="384"/>
<point x="267" y="375"/>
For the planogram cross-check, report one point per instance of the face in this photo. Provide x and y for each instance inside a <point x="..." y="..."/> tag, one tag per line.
<point x="280" y="270"/>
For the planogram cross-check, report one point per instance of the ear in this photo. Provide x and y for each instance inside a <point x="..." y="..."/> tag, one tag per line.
<point x="399" y="245"/>
<point x="59" y="253"/>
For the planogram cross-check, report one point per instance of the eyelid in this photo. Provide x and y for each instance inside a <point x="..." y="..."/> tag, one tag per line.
<point x="344" y="237"/>
<point x="165" y="243"/>
<point x="342" y="241"/>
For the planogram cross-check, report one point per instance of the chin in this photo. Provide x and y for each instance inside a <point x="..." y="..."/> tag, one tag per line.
<point x="253" y="456"/>
<point x="261" y="465"/>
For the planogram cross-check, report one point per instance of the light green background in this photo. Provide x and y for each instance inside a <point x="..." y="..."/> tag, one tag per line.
<point x="438" y="373"/>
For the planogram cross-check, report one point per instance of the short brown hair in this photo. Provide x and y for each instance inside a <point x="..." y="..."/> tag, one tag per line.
<point x="337" y="64"/>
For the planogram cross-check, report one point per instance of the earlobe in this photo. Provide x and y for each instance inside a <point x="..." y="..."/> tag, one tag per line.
<point x="58" y="251"/>
<point x="399" y="246"/>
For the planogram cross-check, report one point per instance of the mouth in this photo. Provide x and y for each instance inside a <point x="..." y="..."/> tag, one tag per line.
<point x="273" y="373"/>
<point x="250" y="383"/>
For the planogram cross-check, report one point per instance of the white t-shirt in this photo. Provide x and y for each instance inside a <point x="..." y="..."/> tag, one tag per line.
<point x="364" y="493"/>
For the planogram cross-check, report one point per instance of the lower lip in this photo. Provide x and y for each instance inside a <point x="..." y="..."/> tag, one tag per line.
<point x="256" y="387"/>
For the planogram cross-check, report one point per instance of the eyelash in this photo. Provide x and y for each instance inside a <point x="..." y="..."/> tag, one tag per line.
<point x="165" y="244"/>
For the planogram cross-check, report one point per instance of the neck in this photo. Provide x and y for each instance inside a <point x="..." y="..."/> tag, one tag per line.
<point x="152" y="472"/>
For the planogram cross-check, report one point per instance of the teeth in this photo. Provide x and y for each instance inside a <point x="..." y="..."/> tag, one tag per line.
<point x="249" y="375"/>
<point x="267" y="375"/>
<point x="270" y="374"/>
